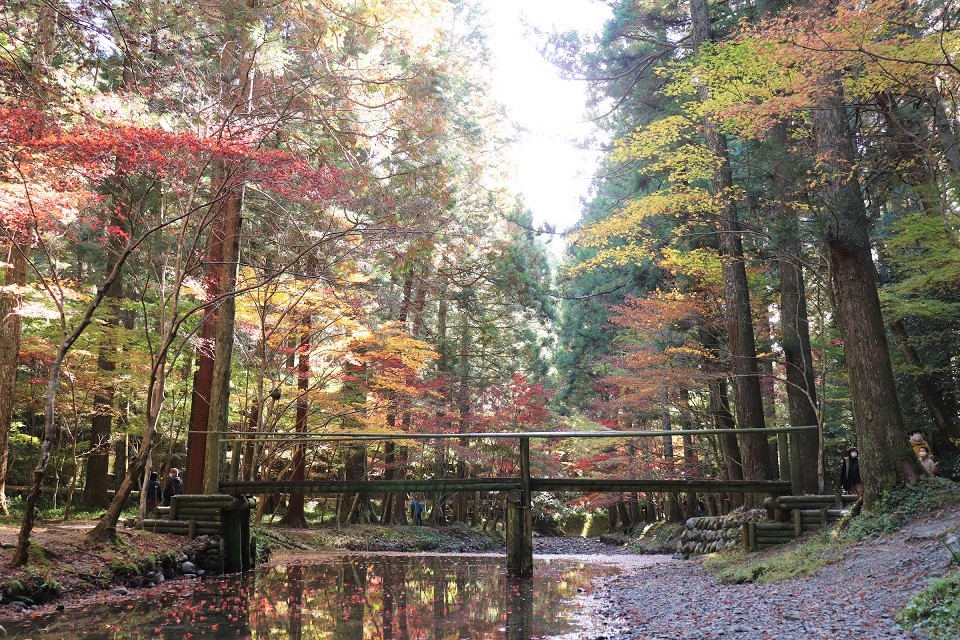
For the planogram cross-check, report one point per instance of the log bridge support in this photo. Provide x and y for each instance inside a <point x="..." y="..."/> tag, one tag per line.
<point x="226" y="516"/>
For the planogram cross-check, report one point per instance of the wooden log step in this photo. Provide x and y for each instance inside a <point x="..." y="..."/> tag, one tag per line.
<point x="814" y="501"/>
<point x="167" y="526"/>
<point x="775" y="535"/>
<point x="831" y="513"/>
<point x="774" y="526"/>
<point x="213" y="513"/>
<point x="223" y="502"/>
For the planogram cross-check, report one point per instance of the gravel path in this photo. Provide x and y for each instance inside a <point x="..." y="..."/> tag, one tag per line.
<point x="855" y="598"/>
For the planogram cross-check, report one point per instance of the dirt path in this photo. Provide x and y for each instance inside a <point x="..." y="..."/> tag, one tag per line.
<point x="856" y="598"/>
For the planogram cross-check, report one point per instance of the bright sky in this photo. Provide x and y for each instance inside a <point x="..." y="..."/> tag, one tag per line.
<point x="553" y="173"/>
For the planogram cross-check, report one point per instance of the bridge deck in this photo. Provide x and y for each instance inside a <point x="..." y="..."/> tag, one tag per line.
<point x="584" y="485"/>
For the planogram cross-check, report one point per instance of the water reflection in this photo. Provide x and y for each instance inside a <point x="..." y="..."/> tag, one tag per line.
<point x="353" y="597"/>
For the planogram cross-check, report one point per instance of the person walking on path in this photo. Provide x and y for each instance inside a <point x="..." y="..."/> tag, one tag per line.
<point x="850" y="473"/>
<point x="154" y="493"/>
<point x="174" y="486"/>
<point x="416" y="512"/>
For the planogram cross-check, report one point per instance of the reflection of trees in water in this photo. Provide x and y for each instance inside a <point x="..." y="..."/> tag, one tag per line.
<point x="344" y="598"/>
<point x="412" y="598"/>
<point x="210" y="609"/>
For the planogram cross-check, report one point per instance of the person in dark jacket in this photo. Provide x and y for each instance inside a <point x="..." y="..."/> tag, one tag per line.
<point x="174" y="486"/>
<point x="154" y="493"/>
<point x="850" y="473"/>
<point x="416" y="512"/>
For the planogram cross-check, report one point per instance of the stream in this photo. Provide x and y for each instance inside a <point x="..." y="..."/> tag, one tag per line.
<point x="398" y="596"/>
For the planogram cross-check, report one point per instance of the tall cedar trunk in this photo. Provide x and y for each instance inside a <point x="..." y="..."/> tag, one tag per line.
<point x="202" y="384"/>
<point x="722" y="418"/>
<point x="463" y="406"/>
<point x="885" y="457"/>
<point x="236" y="66"/>
<point x="673" y="507"/>
<point x="98" y="462"/>
<point x="353" y="398"/>
<point x="947" y="135"/>
<point x="14" y="277"/>
<point x="794" y="321"/>
<point x="223" y="341"/>
<point x="917" y="173"/>
<point x="739" y="318"/>
<point x="295" y="516"/>
<point x="391" y="501"/>
<point x="15" y="273"/>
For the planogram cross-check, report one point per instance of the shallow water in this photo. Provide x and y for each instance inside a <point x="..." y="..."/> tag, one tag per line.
<point x="346" y="597"/>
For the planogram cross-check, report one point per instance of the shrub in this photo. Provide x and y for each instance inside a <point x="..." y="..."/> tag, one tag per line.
<point x="936" y="609"/>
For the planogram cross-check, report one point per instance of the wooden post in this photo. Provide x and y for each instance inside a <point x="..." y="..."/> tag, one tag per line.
<point x="796" y="478"/>
<point x="837" y="498"/>
<point x="824" y="518"/>
<point x="244" y="519"/>
<point x="233" y="562"/>
<point x="797" y="522"/>
<point x="514" y="527"/>
<point x="234" y="461"/>
<point x="745" y="534"/>
<point x="783" y="456"/>
<point x="752" y="530"/>
<point x="527" y="509"/>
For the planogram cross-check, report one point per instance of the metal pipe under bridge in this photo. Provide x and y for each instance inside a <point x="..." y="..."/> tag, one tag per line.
<point x="519" y="521"/>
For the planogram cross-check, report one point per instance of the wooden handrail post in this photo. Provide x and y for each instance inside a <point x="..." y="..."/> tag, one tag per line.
<point x="520" y="520"/>
<point x="783" y="456"/>
<point x="525" y="470"/>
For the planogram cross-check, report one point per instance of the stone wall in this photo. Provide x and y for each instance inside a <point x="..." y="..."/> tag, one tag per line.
<point x="711" y="534"/>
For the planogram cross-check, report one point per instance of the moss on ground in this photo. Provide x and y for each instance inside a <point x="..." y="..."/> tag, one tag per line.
<point x="796" y="560"/>
<point x="659" y="537"/>
<point x="936" y="609"/>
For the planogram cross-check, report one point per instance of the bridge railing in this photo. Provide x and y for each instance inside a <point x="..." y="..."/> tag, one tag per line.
<point x="788" y="447"/>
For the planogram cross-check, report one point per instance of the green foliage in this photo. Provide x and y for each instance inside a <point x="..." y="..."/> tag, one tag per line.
<point x="658" y="537"/>
<point x="124" y="568"/>
<point x="936" y="609"/>
<point x="898" y="506"/>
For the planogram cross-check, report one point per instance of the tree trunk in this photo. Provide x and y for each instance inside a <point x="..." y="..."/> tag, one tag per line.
<point x="98" y="462"/>
<point x="885" y="457"/>
<point x="937" y="403"/>
<point x="294" y="516"/>
<point x="739" y="317"/>
<point x="722" y="417"/>
<point x="223" y="339"/>
<point x="794" y="321"/>
<point x="673" y="507"/>
<point x="917" y="173"/>
<point x="15" y="277"/>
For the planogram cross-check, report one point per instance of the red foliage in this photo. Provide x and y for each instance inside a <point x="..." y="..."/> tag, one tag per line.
<point x="50" y="169"/>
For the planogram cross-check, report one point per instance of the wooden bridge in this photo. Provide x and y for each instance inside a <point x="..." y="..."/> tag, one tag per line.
<point x="519" y="522"/>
